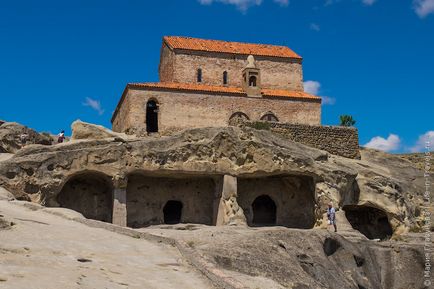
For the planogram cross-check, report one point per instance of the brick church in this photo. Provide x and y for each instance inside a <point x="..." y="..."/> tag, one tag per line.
<point x="208" y="83"/>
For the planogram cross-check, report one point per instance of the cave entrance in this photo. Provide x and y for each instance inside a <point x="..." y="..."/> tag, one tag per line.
<point x="172" y="212"/>
<point x="90" y="194"/>
<point x="264" y="211"/>
<point x="151" y="116"/>
<point x="371" y="222"/>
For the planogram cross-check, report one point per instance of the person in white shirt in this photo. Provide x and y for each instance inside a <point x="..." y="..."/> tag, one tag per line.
<point x="61" y="136"/>
<point x="331" y="216"/>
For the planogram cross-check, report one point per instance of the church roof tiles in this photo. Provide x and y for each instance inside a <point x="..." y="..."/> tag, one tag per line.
<point x="197" y="44"/>
<point x="281" y="93"/>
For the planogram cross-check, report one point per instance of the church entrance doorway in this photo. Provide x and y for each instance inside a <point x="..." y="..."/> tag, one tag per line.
<point x="151" y="116"/>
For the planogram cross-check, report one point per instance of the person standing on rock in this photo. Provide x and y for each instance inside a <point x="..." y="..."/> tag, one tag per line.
<point x="61" y="137"/>
<point x="331" y="216"/>
<point x="24" y="136"/>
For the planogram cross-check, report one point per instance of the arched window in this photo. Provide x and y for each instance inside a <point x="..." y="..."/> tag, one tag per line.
<point x="199" y="75"/>
<point x="269" y="117"/>
<point x="151" y="116"/>
<point x="252" y="81"/>
<point x="240" y="115"/>
<point x="225" y="77"/>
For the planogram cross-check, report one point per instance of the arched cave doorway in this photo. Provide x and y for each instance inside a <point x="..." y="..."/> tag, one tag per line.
<point x="172" y="212"/>
<point x="264" y="211"/>
<point x="151" y="116"/>
<point x="90" y="194"/>
<point x="371" y="222"/>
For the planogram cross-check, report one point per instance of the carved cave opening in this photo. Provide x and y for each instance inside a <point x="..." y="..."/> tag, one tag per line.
<point x="277" y="200"/>
<point x="153" y="200"/>
<point x="371" y="222"/>
<point x="264" y="211"/>
<point x="90" y="194"/>
<point x="172" y="212"/>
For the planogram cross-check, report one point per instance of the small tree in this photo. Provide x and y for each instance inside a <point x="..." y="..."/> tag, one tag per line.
<point x="347" y="120"/>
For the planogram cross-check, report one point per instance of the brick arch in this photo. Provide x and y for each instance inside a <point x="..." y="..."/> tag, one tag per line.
<point x="269" y="116"/>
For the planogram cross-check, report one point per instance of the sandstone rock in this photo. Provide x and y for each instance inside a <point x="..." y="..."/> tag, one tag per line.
<point x="6" y="195"/>
<point x="84" y="130"/>
<point x="65" y="213"/>
<point x="10" y="133"/>
<point x="377" y="181"/>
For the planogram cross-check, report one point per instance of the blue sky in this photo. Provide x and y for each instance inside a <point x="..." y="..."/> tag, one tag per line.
<point x="373" y="59"/>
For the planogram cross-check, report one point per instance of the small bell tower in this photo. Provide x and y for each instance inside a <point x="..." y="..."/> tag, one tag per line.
<point x="252" y="78"/>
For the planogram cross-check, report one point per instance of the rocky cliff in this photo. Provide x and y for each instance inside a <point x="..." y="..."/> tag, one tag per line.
<point x="378" y="196"/>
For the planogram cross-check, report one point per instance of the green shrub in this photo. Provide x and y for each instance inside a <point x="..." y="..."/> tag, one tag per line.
<point x="260" y="125"/>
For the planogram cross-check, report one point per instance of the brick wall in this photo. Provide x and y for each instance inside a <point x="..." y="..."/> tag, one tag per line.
<point x="337" y="140"/>
<point x="179" y="110"/>
<point x="181" y="66"/>
<point x="167" y="62"/>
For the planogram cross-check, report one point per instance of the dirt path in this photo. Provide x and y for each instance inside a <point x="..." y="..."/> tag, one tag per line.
<point x="43" y="251"/>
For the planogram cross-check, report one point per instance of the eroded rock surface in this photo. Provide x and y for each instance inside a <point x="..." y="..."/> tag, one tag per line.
<point x="84" y="130"/>
<point x="278" y="258"/>
<point x="385" y="182"/>
<point x="10" y="133"/>
<point x="379" y="195"/>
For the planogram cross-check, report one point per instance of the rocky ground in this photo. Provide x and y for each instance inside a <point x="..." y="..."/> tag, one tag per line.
<point x="43" y="251"/>
<point x="45" y="248"/>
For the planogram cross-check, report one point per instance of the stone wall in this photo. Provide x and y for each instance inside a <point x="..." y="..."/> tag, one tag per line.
<point x="337" y="140"/>
<point x="179" y="110"/>
<point x="121" y="119"/>
<point x="181" y="66"/>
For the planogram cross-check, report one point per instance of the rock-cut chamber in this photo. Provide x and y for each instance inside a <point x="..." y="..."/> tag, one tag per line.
<point x="277" y="200"/>
<point x="371" y="222"/>
<point x="90" y="194"/>
<point x="153" y="200"/>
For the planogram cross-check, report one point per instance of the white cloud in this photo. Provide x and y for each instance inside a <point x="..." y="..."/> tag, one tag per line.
<point x="369" y="2"/>
<point x="423" y="7"/>
<point x="327" y="100"/>
<point x="94" y="104"/>
<point x="422" y="142"/>
<point x="242" y="5"/>
<point x="315" y="27"/>
<point x="313" y="87"/>
<point x="282" y="2"/>
<point x="331" y="2"/>
<point x="379" y="143"/>
<point x="366" y="2"/>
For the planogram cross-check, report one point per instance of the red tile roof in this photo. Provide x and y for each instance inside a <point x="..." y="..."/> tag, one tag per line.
<point x="188" y="43"/>
<point x="281" y="93"/>
<point x="191" y="87"/>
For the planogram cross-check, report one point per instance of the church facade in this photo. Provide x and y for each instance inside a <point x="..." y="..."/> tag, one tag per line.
<point x="206" y="83"/>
